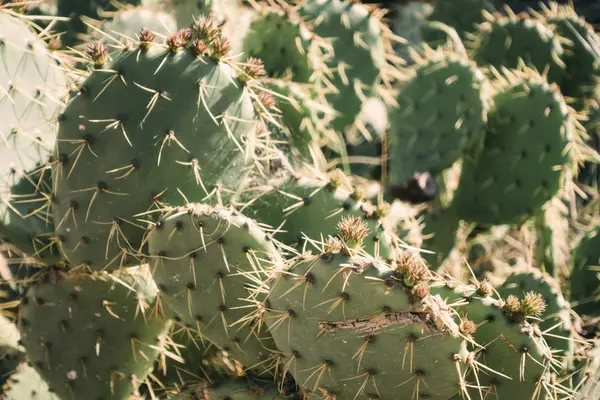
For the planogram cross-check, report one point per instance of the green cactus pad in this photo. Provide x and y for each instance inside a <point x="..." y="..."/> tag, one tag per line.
<point x="557" y="317"/>
<point x="11" y="353"/>
<point x="128" y="23"/>
<point x="441" y="114"/>
<point x="26" y="383"/>
<point x="505" y="41"/>
<point x="356" y="56"/>
<point x="311" y="207"/>
<point x="439" y="235"/>
<point x="304" y="120"/>
<point x="582" y="51"/>
<point x="206" y="262"/>
<point x="27" y="223"/>
<point x="514" y="356"/>
<point x="92" y="334"/>
<point x="524" y="155"/>
<point x="32" y="87"/>
<point x="462" y="15"/>
<point x="280" y="37"/>
<point x="334" y="316"/>
<point x="585" y="278"/>
<point x="155" y="127"/>
<point x="195" y="360"/>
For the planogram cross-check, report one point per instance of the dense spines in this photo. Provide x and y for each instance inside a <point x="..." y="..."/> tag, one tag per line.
<point x="442" y="108"/>
<point x="163" y="123"/>
<point x="207" y="263"/>
<point x="529" y="145"/>
<point x="93" y="333"/>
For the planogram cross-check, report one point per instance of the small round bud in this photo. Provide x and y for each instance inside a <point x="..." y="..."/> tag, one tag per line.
<point x="533" y="305"/>
<point x="353" y="231"/>
<point x="146" y="38"/>
<point x="98" y="53"/>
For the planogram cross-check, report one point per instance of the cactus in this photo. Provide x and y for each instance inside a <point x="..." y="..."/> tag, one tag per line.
<point x="27" y="224"/>
<point x="557" y="316"/>
<point x="11" y="353"/>
<point x="204" y="260"/>
<point x="441" y="115"/>
<point x="304" y="122"/>
<point x="351" y="309"/>
<point x="584" y="274"/>
<point x="463" y="16"/>
<point x="582" y="51"/>
<point x="311" y="206"/>
<point x="357" y="58"/>
<point x="127" y="23"/>
<point x="232" y="390"/>
<point x="163" y="113"/>
<point x="509" y="178"/>
<point x="32" y="87"/>
<point x="279" y="36"/>
<point x="508" y="41"/>
<point x="92" y="333"/>
<point x="76" y="11"/>
<point x="26" y="383"/>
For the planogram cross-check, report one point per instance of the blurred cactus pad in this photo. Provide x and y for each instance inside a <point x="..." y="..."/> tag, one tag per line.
<point x="301" y="199"/>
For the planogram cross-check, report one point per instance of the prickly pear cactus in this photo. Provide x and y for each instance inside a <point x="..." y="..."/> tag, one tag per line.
<point x="311" y="206"/>
<point x="162" y="123"/>
<point x="358" y="45"/>
<point x="94" y="333"/>
<point x="27" y="223"/>
<point x="512" y="358"/>
<point x="525" y="153"/>
<point x="279" y="36"/>
<point x="351" y="309"/>
<point x="304" y="122"/>
<point x="557" y="316"/>
<point x="129" y="22"/>
<point x="585" y="276"/>
<point x="462" y="15"/>
<point x="206" y="262"/>
<point x="506" y="41"/>
<point x="442" y="107"/>
<point x="32" y="88"/>
<point x="26" y="383"/>
<point x="582" y="51"/>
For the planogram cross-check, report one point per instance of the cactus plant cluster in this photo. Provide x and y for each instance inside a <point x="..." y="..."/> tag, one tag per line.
<point x="188" y="208"/>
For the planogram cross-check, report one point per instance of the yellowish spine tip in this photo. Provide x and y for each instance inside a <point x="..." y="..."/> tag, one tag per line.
<point x="98" y="53"/>
<point x="353" y="231"/>
<point x="532" y="305"/>
<point x="412" y="267"/>
<point x="485" y="288"/>
<point x="467" y="327"/>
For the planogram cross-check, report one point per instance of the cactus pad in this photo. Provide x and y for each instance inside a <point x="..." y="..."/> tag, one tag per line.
<point x="91" y="333"/>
